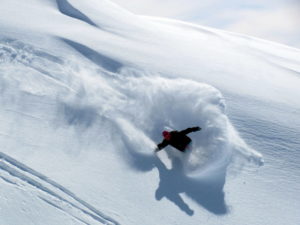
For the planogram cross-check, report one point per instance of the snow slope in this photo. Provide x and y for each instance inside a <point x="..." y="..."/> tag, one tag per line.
<point x="86" y="89"/>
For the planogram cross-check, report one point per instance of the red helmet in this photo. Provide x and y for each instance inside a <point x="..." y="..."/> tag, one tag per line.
<point x="166" y="134"/>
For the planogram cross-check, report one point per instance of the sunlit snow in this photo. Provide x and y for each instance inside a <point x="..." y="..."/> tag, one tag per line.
<point x="86" y="90"/>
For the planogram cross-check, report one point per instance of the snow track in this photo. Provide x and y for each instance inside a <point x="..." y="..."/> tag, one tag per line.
<point x="54" y="194"/>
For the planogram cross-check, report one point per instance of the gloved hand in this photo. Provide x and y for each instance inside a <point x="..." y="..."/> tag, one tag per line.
<point x="198" y="128"/>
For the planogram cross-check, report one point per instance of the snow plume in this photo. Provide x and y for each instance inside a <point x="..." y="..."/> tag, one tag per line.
<point x="131" y="103"/>
<point x="154" y="103"/>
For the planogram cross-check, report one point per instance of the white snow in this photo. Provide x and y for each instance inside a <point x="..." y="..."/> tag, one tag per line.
<point x="86" y="89"/>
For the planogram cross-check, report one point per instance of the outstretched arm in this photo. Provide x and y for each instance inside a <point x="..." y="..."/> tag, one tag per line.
<point x="191" y="129"/>
<point x="161" y="145"/>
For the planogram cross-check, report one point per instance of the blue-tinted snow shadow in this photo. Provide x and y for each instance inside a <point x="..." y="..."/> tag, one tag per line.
<point x="77" y="114"/>
<point x="207" y="193"/>
<point x="99" y="59"/>
<point x="67" y="9"/>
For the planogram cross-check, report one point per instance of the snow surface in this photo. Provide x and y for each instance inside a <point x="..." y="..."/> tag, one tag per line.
<point x="86" y="89"/>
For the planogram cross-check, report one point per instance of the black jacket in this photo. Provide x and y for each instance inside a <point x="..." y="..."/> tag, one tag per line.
<point x="178" y="139"/>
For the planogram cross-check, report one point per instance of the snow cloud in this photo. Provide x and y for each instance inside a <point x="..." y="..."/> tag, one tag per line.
<point x="273" y="20"/>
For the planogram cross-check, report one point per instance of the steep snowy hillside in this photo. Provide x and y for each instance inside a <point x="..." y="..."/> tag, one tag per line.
<point x="86" y="89"/>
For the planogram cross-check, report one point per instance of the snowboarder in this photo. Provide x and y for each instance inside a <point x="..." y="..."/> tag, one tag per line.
<point x="177" y="139"/>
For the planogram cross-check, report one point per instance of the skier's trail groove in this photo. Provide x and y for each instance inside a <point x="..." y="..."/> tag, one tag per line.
<point x="57" y="195"/>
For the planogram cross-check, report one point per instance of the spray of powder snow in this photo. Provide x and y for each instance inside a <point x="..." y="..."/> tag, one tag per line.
<point x="156" y="103"/>
<point x="141" y="105"/>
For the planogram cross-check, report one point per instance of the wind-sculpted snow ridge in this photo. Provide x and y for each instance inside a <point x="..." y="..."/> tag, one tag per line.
<point x="17" y="173"/>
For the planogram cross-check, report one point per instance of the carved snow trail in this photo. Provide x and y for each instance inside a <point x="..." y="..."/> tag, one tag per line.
<point x="50" y="192"/>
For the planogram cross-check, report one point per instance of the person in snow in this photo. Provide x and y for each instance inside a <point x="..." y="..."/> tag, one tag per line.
<point x="177" y="139"/>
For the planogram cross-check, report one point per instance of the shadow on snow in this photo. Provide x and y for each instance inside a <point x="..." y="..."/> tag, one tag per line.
<point x="173" y="182"/>
<point x="99" y="59"/>
<point x="67" y="9"/>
